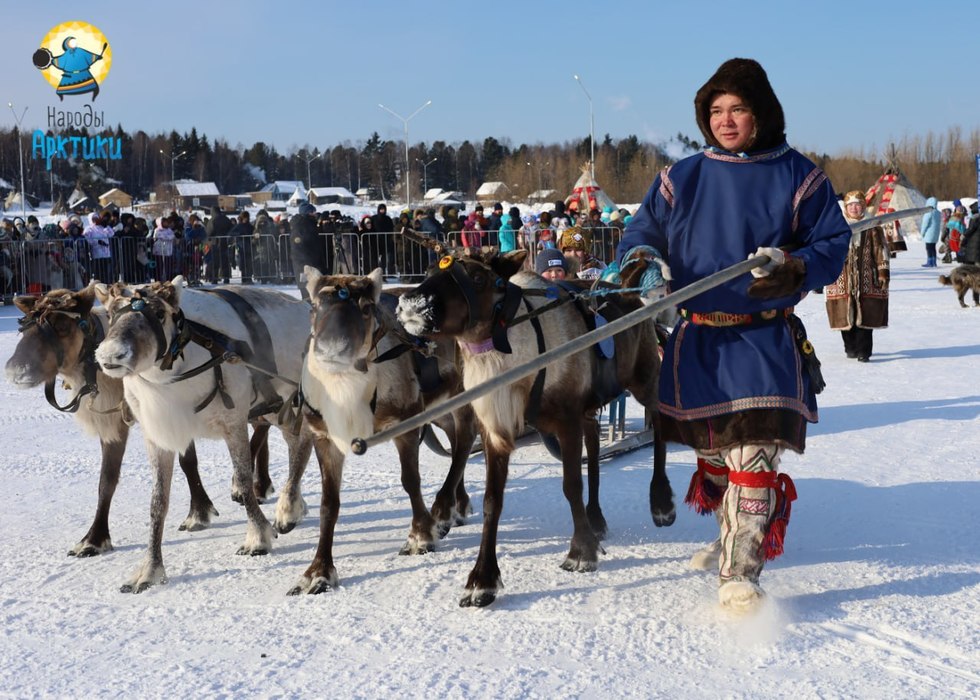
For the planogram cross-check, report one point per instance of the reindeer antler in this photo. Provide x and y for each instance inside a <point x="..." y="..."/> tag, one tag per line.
<point x="423" y="240"/>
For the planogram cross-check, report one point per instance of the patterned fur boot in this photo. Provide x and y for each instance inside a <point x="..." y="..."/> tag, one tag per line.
<point x="747" y="510"/>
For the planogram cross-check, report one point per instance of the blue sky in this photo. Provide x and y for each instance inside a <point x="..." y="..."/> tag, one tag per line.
<point x="850" y="75"/>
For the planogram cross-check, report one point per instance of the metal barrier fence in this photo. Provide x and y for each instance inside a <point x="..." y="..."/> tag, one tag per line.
<point x="34" y="267"/>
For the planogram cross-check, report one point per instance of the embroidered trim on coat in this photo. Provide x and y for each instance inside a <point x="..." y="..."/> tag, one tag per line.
<point x="667" y="187"/>
<point x="810" y="185"/>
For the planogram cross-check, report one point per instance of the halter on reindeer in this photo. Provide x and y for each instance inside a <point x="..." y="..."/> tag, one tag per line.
<point x="475" y="297"/>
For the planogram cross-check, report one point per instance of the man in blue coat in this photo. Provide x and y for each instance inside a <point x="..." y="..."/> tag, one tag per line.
<point x="738" y="379"/>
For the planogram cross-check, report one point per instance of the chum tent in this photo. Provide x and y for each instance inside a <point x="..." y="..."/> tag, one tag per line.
<point x="894" y="192"/>
<point x="586" y="194"/>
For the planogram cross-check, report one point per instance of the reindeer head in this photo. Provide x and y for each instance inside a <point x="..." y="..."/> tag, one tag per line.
<point x="343" y="318"/>
<point x="54" y="332"/>
<point x="461" y="295"/>
<point x="144" y="322"/>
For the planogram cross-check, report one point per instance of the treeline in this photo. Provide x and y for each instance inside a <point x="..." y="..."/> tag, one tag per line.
<point x="940" y="165"/>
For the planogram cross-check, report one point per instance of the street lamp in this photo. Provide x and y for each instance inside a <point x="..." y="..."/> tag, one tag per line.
<point x="591" y="123"/>
<point x="540" y="169"/>
<point x="173" y="185"/>
<point x="316" y="154"/>
<point x="20" y="151"/>
<point x="405" y="121"/>
<point x="425" y="175"/>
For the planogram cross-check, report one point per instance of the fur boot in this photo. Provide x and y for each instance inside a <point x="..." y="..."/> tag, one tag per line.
<point x="747" y="510"/>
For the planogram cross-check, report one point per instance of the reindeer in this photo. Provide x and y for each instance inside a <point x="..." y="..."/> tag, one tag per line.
<point x="362" y="373"/>
<point x="200" y="364"/>
<point x="59" y="334"/>
<point x="475" y="298"/>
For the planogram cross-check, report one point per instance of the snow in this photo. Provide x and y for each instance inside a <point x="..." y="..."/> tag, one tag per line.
<point x="875" y="596"/>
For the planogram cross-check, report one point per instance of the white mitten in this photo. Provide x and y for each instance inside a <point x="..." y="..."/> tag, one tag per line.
<point x="776" y="258"/>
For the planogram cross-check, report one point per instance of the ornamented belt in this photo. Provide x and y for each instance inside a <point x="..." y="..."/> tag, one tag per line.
<point x="723" y="318"/>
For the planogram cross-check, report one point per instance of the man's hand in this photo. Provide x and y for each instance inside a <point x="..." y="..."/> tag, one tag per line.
<point x="776" y="258"/>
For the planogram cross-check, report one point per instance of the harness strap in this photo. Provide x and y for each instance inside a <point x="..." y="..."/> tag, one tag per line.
<point x="503" y="314"/>
<point x="73" y="405"/>
<point x="262" y="355"/>
<point x="537" y="389"/>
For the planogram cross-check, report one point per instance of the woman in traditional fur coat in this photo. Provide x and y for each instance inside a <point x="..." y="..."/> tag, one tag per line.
<point x="738" y="380"/>
<point x="857" y="302"/>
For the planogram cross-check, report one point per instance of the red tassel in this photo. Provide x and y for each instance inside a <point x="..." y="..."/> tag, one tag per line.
<point x="703" y="495"/>
<point x="772" y="543"/>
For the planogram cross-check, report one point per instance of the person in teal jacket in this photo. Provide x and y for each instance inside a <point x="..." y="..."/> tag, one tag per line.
<point x="930" y="229"/>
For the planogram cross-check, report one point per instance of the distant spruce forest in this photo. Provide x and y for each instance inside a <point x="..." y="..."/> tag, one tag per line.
<point x="940" y="165"/>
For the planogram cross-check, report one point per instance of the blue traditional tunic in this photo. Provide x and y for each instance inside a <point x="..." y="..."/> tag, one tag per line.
<point x="709" y="212"/>
<point x="74" y="64"/>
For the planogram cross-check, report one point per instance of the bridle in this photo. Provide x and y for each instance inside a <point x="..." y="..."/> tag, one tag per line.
<point x="504" y="309"/>
<point x="167" y="351"/>
<point x="92" y="335"/>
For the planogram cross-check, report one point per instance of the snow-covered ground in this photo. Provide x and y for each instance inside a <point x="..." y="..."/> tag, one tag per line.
<point x="876" y="595"/>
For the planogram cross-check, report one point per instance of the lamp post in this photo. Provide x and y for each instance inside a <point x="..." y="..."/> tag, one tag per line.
<point x="20" y="151"/>
<point x="405" y="121"/>
<point x="425" y="174"/>
<point x="540" y="168"/>
<point x="591" y="125"/>
<point x="316" y="154"/>
<point x="173" y="185"/>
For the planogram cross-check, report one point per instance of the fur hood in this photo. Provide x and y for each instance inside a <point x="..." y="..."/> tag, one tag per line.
<point x="747" y="79"/>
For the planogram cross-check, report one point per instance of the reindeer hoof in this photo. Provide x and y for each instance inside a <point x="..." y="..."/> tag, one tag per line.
<point x="256" y="552"/>
<point x="321" y="584"/>
<point x="283" y="528"/>
<point x="316" y="585"/>
<point x="478" y="598"/>
<point x="416" y="547"/>
<point x="580" y="565"/>
<point x="443" y="528"/>
<point x="263" y="491"/>
<point x="238" y="498"/>
<point x="197" y="521"/>
<point x="86" y="551"/>
<point x="664" y="519"/>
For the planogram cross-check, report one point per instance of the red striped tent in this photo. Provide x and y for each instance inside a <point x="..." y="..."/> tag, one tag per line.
<point x="587" y="194"/>
<point x="894" y="192"/>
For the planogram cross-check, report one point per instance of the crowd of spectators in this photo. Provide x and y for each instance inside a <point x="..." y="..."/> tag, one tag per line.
<point x="111" y="246"/>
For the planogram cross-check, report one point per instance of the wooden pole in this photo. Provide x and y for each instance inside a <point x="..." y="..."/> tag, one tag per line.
<point x="360" y="445"/>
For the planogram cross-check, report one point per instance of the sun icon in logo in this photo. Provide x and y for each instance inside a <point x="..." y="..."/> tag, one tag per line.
<point x="74" y="58"/>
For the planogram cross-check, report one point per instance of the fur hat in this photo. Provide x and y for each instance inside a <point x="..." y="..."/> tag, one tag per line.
<point x="747" y="79"/>
<point x="549" y="258"/>
<point x="575" y="238"/>
<point x="855" y="196"/>
<point x="305" y="209"/>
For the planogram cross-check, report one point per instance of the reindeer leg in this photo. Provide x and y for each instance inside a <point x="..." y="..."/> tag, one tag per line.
<point x="202" y="509"/>
<point x="259" y="447"/>
<point x="423" y="532"/>
<point x="321" y="575"/>
<point x="291" y="507"/>
<point x="590" y="429"/>
<point x="259" y="536"/>
<point x="484" y="579"/>
<point x="97" y="539"/>
<point x="583" y="554"/>
<point x="151" y="572"/>
<point x="661" y="495"/>
<point x="452" y="503"/>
